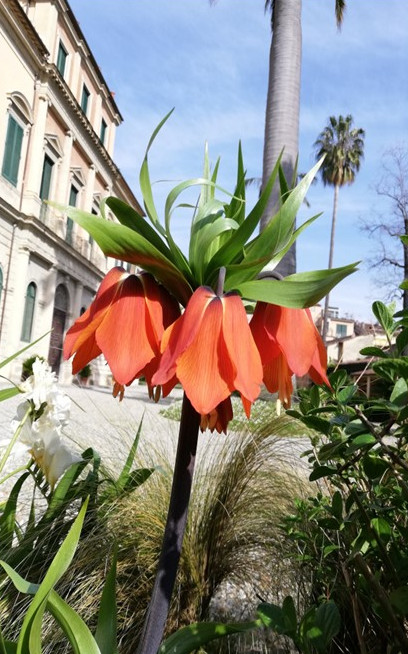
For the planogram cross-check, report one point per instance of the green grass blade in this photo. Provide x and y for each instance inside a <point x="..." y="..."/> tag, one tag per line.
<point x="58" y="567"/>
<point x="8" y="516"/>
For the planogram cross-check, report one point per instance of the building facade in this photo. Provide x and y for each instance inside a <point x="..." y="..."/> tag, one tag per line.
<point x="57" y="131"/>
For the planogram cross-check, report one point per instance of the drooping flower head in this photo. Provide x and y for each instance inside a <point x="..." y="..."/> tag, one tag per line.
<point x="125" y="322"/>
<point x="289" y="344"/>
<point x="211" y="352"/>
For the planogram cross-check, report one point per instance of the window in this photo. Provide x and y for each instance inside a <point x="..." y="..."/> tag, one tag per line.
<point x="102" y="134"/>
<point x="12" y="150"/>
<point x="61" y="59"/>
<point x="46" y="178"/>
<point x="28" y="312"/>
<point x="84" y="99"/>
<point x="73" y="197"/>
<point x="341" y="331"/>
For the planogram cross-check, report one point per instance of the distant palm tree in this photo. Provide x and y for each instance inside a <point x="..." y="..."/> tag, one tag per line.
<point x="343" y="147"/>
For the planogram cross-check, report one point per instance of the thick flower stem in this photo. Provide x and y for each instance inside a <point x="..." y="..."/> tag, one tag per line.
<point x="174" y="531"/>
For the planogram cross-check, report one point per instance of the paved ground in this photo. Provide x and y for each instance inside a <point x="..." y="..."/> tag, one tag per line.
<point x="109" y="426"/>
<point x="100" y="421"/>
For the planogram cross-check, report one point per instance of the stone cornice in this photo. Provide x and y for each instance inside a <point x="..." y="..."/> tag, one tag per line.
<point x="23" y="27"/>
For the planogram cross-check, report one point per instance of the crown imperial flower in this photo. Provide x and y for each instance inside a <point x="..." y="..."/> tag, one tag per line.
<point x="211" y="351"/>
<point x="289" y="344"/>
<point x="125" y="323"/>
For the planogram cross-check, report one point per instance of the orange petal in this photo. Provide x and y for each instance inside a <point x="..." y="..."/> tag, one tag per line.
<point x="177" y="338"/>
<point x="264" y="339"/>
<point x="86" y="324"/>
<point x="278" y="378"/>
<point x="88" y="351"/>
<point x="241" y="347"/>
<point x="296" y="336"/>
<point x="122" y="334"/>
<point x="198" y="368"/>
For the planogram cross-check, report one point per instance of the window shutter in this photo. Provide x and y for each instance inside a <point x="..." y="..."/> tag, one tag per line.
<point x="12" y="151"/>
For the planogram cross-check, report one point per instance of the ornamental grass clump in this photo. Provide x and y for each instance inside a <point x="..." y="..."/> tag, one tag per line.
<point x="232" y="553"/>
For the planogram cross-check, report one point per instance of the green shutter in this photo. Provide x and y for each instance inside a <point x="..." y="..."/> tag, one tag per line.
<point x="61" y="59"/>
<point x="46" y="178"/>
<point x="84" y="99"/>
<point x="103" y="132"/>
<point x="28" y="312"/>
<point x="12" y="151"/>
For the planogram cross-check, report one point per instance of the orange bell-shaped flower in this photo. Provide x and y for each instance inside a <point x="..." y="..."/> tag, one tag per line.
<point x="211" y="351"/>
<point x="289" y="344"/>
<point x="125" y="323"/>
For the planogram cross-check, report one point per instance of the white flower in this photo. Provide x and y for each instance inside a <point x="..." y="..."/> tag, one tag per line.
<point x="51" y="454"/>
<point x="40" y="385"/>
<point x="49" y="413"/>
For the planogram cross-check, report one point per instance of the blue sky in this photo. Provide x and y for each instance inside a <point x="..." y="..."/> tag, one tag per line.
<point x="211" y="64"/>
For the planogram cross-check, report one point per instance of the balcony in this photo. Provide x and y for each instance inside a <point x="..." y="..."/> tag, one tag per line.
<point x="59" y="225"/>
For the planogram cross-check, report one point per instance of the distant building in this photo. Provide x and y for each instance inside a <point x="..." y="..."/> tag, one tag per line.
<point x="345" y="340"/>
<point x="57" y="132"/>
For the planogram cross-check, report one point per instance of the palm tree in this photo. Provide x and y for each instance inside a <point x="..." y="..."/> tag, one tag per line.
<point x="283" y="100"/>
<point x="343" y="147"/>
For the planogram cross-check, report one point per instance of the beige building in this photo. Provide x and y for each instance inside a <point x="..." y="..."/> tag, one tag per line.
<point x="57" y="132"/>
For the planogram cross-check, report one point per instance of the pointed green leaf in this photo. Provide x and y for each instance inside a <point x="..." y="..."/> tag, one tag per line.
<point x="384" y="316"/>
<point x="236" y="208"/>
<point x="177" y="255"/>
<point x="295" y="291"/>
<point x="278" y="232"/>
<point x="23" y="349"/>
<point x="235" y="244"/>
<point x="59" y="565"/>
<point x="128" y="217"/>
<point x="373" y="352"/>
<point x="328" y="621"/>
<point x="124" y="475"/>
<point x="106" y="629"/>
<point x="145" y="184"/>
<point x="194" y="636"/>
<point x="73" y="626"/>
<point x="207" y="242"/>
<point x="123" y="243"/>
<point x="7" y="393"/>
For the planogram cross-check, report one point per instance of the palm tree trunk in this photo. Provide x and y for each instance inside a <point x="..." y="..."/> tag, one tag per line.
<point x="282" y="106"/>
<point x="331" y="251"/>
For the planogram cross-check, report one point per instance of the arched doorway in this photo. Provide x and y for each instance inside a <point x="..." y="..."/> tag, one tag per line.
<point x="58" y="325"/>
